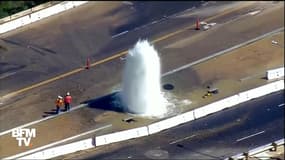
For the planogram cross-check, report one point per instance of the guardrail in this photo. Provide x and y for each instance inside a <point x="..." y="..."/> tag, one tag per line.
<point x="165" y="124"/>
<point x="14" y="23"/>
<point x="270" y="146"/>
<point x="28" y="11"/>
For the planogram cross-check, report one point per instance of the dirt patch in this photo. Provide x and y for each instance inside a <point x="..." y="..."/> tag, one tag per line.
<point x="246" y="61"/>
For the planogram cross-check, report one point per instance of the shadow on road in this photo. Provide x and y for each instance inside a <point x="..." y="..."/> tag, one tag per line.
<point x="109" y="102"/>
<point x="51" y="113"/>
<point x="36" y="48"/>
<point x="195" y="151"/>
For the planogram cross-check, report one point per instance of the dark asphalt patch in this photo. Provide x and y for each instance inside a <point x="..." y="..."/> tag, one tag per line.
<point x="6" y="67"/>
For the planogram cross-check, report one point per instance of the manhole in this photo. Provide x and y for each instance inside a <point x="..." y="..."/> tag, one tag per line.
<point x="157" y="154"/>
<point x="168" y="86"/>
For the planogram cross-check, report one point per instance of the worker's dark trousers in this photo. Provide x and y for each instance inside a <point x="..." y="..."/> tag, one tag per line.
<point x="57" y="109"/>
<point x="67" y="106"/>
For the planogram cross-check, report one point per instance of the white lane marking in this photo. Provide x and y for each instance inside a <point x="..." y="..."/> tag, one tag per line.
<point x="154" y="22"/>
<point x="255" y="134"/>
<point x="7" y="75"/>
<point x="44" y="119"/>
<point x="280" y="105"/>
<point x="254" y="12"/>
<point x="179" y="140"/>
<point x="56" y="143"/>
<point x="117" y="35"/>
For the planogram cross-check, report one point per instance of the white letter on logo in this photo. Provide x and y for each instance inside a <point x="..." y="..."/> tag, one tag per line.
<point x="31" y="132"/>
<point x="27" y="141"/>
<point x="15" y="132"/>
<point x="20" y="141"/>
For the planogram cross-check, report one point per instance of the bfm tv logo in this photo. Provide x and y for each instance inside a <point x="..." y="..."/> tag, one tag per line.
<point x="24" y="135"/>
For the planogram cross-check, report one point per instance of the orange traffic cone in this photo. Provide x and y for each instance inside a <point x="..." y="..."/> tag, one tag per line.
<point x="87" y="63"/>
<point x="197" y="24"/>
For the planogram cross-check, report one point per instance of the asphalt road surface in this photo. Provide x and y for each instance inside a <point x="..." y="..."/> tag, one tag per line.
<point x="175" y="38"/>
<point x="74" y="36"/>
<point x="178" y="46"/>
<point x="217" y="136"/>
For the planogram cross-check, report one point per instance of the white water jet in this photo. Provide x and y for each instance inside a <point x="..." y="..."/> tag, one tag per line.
<point x="141" y="92"/>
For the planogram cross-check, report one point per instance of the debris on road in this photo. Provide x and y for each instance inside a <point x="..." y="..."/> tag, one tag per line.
<point x="274" y="42"/>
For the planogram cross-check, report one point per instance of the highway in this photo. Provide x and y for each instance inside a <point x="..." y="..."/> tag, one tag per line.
<point x="110" y="53"/>
<point x="217" y="136"/>
<point x="106" y="71"/>
<point x="31" y="91"/>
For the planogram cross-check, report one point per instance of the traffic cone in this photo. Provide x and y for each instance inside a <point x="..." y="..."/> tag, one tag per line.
<point x="197" y="24"/>
<point x="87" y="63"/>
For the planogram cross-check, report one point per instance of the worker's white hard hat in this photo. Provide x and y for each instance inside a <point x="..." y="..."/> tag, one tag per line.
<point x="68" y="93"/>
<point x="59" y="97"/>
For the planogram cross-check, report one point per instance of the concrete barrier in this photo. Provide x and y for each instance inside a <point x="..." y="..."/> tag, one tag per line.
<point x="275" y="73"/>
<point x="243" y="97"/>
<point x="121" y="136"/>
<point x="188" y="116"/>
<point x="260" y="149"/>
<point x="78" y="3"/>
<point x="231" y="101"/>
<point x="25" y="20"/>
<point x="38" y="15"/>
<point x="210" y="108"/>
<point x="201" y="112"/>
<point x="61" y="150"/>
<point x="279" y="85"/>
<point x="7" y="26"/>
<point x="168" y="123"/>
<point x="261" y="91"/>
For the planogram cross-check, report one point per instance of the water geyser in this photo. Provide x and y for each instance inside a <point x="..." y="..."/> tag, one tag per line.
<point x="141" y="92"/>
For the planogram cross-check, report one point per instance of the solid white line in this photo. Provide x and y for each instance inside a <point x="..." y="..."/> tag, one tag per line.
<point x="117" y="35"/>
<point x="280" y="105"/>
<point x="40" y="120"/>
<point x="182" y="139"/>
<point x="7" y="75"/>
<point x="222" y="52"/>
<point x="56" y="143"/>
<point x="250" y="136"/>
<point x="154" y="22"/>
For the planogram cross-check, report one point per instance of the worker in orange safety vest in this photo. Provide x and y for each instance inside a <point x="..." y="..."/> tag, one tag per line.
<point x="59" y="103"/>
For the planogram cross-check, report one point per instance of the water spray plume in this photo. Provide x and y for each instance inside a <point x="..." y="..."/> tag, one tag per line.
<point x="141" y="92"/>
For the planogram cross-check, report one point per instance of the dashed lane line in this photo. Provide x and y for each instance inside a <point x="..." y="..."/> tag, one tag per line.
<point x="182" y="139"/>
<point x="255" y="134"/>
